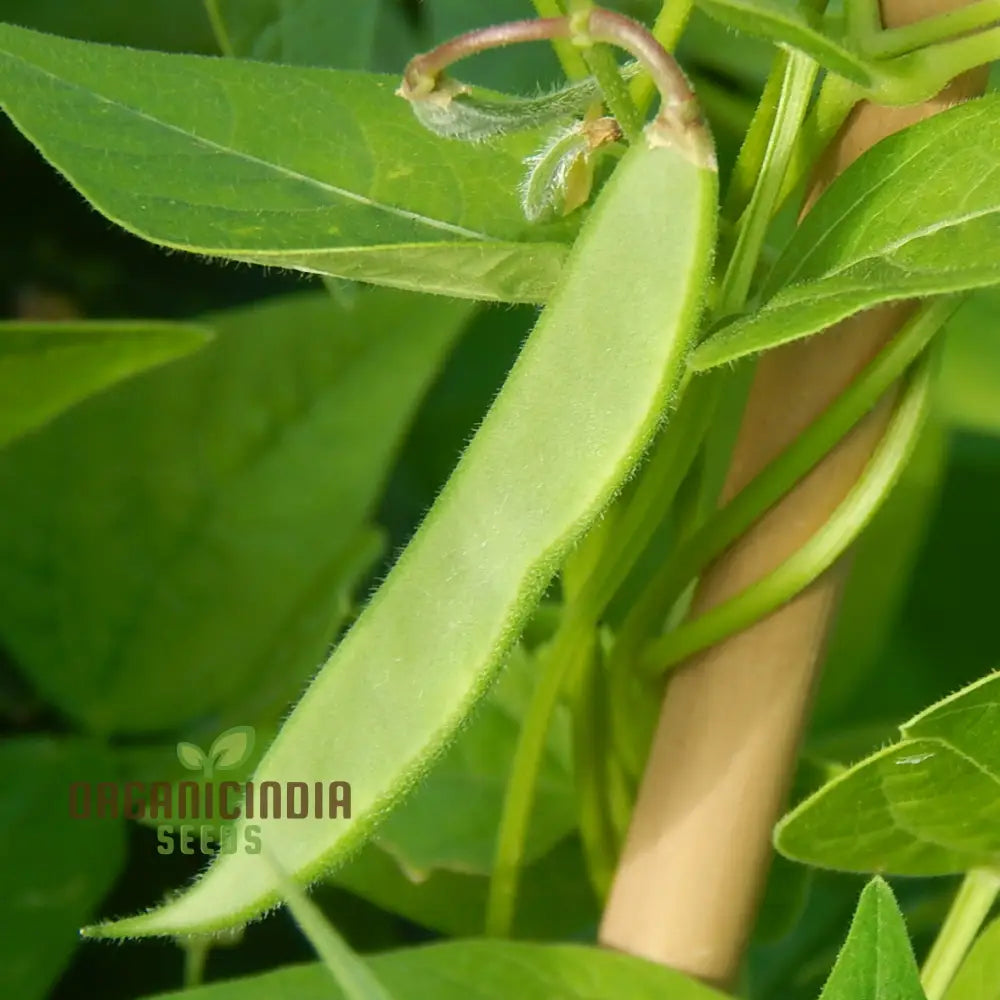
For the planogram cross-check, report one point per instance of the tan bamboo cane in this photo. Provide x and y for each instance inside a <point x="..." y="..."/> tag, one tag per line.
<point x="696" y="857"/>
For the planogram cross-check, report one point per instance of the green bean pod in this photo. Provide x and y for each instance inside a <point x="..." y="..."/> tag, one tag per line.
<point x="592" y="384"/>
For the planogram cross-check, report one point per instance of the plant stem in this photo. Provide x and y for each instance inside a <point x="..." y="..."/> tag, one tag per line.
<point x="568" y="649"/>
<point x="784" y="471"/>
<point x="972" y="903"/>
<point x="678" y="120"/>
<point x="814" y="557"/>
<point x="195" y="957"/>
<point x="635" y="521"/>
<point x="601" y="62"/>
<point x="864" y="19"/>
<point x="750" y="160"/>
<point x="591" y="758"/>
<point x="941" y="63"/>
<point x="837" y="96"/>
<point x="420" y="77"/>
<point x="882" y="44"/>
<point x="667" y="30"/>
<point x="781" y="474"/>
<point x="569" y="56"/>
<point x="796" y="92"/>
<point x="219" y="28"/>
<point x="919" y="75"/>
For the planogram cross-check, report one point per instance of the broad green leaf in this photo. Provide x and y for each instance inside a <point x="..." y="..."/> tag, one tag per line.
<point x="47" y="367"/>
<point x="167" y="25"/>
<point x="928" y="805"/>
<point x="231" y="488"/>
<point x="916" y="215"/>
<point x="451" y="821"/>
<point x="556" y="900"/>
<point x="478" y="970"/>
<point x="56" y="869"/>
<point x="978" y="977"/>
<point x="969" y="384"/>
<point x="305" y="32"/>
<point x="876" y="962"/>
<point x="315" y="170"/>
<point x="789" y="22"/>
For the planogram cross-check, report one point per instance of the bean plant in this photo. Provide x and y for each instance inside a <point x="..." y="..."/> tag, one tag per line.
<point x="413" y="523"/>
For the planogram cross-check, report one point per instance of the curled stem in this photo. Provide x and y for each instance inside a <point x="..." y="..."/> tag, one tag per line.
<point x="678" y="122"/>
<point x="423" y="72"/>
<point x="816" y="555"/>
<point x="726" y="524"/>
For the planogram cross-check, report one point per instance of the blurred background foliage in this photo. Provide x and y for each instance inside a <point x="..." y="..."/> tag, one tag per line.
<point x="177" y="552"/>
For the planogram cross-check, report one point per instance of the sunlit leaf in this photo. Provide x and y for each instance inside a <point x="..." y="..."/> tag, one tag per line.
<point x="47" y="367"/>
<point x="917" y="215"/>
<point x="315" y="170"/>
<point x="876" y="962"/>
<point x="180" y="544"/>
<point x="927" y="805"/>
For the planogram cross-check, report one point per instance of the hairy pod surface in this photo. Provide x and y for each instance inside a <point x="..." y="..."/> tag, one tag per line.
<point x="579" y="407"/>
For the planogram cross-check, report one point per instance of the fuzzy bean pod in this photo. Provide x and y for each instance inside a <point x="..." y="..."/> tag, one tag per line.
<point x="592" y="384"/>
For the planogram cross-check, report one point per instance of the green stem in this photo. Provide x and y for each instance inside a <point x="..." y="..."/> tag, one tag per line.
<point x="729" y="522"/>
<point x="750" y="161"/>
<point x="601" y="62"/>
<point x="591" y="755"/>
<point x="793" y="102"/>
<point x="569" y="648"/>
<point x="968" y="911"/>
<point x="636" y="520"/>
<point x="195" y="958"/>
<point x="219" y="28"/>
<point x="667" y="30"/>
<point x="864" y="20"/>
<point x="569" y="56"/>
<point x="784" y="471"/>
<point x="919" y="75"/>
<point x="837" y="96"/>
<point x="816" y="555"/>
<point x="883" y="44"/>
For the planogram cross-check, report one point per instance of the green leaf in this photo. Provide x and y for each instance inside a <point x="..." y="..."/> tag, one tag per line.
<point x="46" y="368"/>
<point x="876" y="962"/>
<point x="315" y="170"/>
<point x="233" y="486"/>
<point x="969" y="383"/>
<point x="304" y="32"/>
<point x="916" y="215"/>
<point x="232" y="747"/>
<point x="788" y="22"/>
<point x="56" y="869"/>
<point x="978" y="977"/>
<point x="479" y="970"/>
<point x="354" y="979"/>
<point x="451" y="821"/>
<point x="928" y="805"/>
<point x="167" y="25"/>
<point x="555" y="901"/>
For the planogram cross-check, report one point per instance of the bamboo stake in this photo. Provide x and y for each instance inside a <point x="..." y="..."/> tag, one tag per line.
<point x="696" y="858"/>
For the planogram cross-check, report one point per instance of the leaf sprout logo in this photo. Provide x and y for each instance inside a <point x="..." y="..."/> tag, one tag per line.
<point x="223" y="811"/>
<point x="228" y="751"/>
